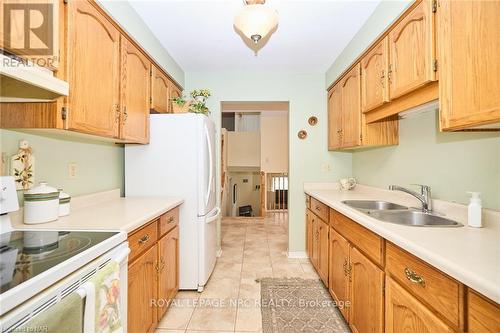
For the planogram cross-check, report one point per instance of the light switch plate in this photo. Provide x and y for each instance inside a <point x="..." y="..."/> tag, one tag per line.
<point x="72" y="170"/>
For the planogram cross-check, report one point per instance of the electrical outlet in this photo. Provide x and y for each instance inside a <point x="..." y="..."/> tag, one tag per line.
<point x="72" y="170"/>
<point x="326" y="167"/>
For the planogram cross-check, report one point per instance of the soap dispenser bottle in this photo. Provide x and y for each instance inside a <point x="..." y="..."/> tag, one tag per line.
<point x="475" y="210"/>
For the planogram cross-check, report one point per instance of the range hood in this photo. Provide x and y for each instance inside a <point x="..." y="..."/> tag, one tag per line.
<point x="28" y="83"/>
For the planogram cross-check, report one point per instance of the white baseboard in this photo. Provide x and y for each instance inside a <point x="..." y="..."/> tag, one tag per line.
<point x="297" y="255"/>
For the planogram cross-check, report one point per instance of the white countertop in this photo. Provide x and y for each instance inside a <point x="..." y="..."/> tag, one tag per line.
<point x="470" y="255"/>
<point x="107" y="211"/>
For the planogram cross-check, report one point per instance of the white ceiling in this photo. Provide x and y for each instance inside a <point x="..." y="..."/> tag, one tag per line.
<point x="200" y="36"/>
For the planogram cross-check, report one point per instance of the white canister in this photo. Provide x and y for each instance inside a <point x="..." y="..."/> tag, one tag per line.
<point x="64" y="200"/>
<point x="41" y="204"/>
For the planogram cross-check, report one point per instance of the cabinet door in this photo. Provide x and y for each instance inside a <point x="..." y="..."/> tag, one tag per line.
<point x="374" y="79"/>
<point x="339" y="265"/>
<point x="351" y="108"/>
<point x="483" y="315"/>
<point x="367" y="295"/>
<point x="135" y="94"/>
<point x="173" y="93"/>
<point x="309" y="233"/>
<point x="315" y="241"/>
<point x="411" y="51"/>
<point x="142" y="284"/>
<point x="94" y="71"/>
<point x="168" y="268"/>
<point x="469" y="49"/>
<point x="334" y="118"/>
<point x="160" y="91"/>
<point x="404" y="313"/>
<point x="323" y="251"/>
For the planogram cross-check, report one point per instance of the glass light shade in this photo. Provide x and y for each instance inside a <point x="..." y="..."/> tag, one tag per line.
<point x="256" y="21"/>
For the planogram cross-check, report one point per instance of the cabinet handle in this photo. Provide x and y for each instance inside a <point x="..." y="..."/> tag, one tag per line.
<point x="350" y="273"/>
<point x="117" y="113"/>
<point x="414" y="277"/>
<point x="144" y="239"/>
<point x="382" y="78"/>
<point x="159" y="267"/>
<point x="346" y="268"/>
<point x="389" y="73"/>
<point x="125" y="114"/>
<point x="170" y="220"/>
<point x="317" y="235"/>
<point x="318" y="208"/>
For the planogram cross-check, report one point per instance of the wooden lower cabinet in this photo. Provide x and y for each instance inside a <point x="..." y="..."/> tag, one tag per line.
<point x="323" y="231"/>
<point x="142" y="288"/>
<point x="153" y="273"/>
<point x="404" y="313"/>
<point x="483" y="314"/>
<point x="339" y="268"/>
<point x="366" y="294"/>
<point x="380" y="287"/>
<point x="168" y="268"/>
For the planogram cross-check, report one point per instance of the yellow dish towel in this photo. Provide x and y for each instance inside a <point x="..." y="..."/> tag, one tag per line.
<point x="102" y="301"/>
<point x="63" y="317"/>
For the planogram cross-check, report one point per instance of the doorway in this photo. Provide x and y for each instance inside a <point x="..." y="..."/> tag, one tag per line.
<point x="254" y="150"/>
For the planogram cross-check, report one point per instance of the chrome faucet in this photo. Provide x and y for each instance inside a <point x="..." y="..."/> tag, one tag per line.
<point x="424" y="196"/>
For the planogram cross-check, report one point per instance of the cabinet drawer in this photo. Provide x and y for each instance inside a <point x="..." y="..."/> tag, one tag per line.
<point x="368" y="242"/>
<point x="141" y="240"/>
<point x="320" y="209"/>
<point x="483" y="314"/>
<point x="425" y="282"/>
<point x="168" y="221"/>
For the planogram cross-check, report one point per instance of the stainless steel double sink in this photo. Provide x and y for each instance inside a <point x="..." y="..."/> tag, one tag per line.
<point x="394" y="213"/>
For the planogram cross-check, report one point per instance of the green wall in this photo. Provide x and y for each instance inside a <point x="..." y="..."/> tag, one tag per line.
<point x="451" y="163"/>
<point x="131" y="22"/>
<point x="307" y="97"/>
<point x="385" y="13"/>
<point x="99" y="165"/>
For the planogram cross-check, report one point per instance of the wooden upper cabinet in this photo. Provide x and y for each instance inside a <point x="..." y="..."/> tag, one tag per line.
<point x="142" y="317"/>
<point x="374" y="78"/>
<point x="168" y="268"/>
<point x="351" y="108"/>
<point x="412" y="51"/>
<point x="135" y="94"/>
<point x="366" y="294"/>
<point x="334" y="118"/>
<point x="174" y="92"/>
<point x="404" y="313"/>
<point x="160" y="91"/>
<point x="339" y="266"/>
<point x="93" y="71"/>
<point x="469" y="62"/>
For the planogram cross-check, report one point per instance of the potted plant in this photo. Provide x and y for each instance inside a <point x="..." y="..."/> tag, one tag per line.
<point x="200" y="95"/>
<point x="199" y="107"/>
<point x="179" y="105"/>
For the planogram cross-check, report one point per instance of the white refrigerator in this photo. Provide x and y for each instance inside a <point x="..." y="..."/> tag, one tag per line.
<point x="180" y="161"/>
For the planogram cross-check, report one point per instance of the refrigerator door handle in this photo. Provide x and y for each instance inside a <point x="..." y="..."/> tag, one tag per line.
<point x="210" y="158"/>
<point x="214" y="217"/>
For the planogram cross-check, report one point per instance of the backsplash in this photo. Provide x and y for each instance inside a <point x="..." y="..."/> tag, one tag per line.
<point x="99" y="166"/>
<point x="452" y="163"/>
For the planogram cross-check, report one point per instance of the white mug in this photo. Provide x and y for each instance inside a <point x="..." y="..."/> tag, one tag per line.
<point x="347" y="184"/>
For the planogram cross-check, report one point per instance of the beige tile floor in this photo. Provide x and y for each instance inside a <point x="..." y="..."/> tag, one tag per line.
<point x="251" y="249"/>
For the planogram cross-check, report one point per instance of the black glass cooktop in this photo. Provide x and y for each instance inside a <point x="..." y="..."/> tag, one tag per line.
<point x="25" y="254"/>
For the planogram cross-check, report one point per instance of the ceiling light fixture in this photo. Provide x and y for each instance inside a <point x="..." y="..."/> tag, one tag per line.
<point x="255" y="20"/>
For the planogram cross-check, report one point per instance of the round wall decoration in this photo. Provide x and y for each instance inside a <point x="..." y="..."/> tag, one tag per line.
<point x="312" y="120"/>
<point x="302" y="134"/>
